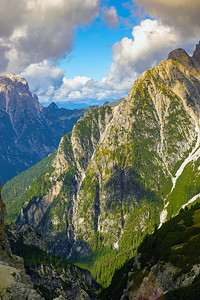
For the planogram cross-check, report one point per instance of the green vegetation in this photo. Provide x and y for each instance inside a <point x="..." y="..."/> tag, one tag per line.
<point x="187" y="186"/>
<point x="118" y="283"/>
<point x="39" y="187"/>
<point x="177" y="241"/>
<point x="14" y="191"/>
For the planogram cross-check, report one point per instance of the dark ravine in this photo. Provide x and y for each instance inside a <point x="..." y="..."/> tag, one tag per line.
<point x="28" y="131"/>
<point x="50" y="277"/>
<point x="122" y="170"/>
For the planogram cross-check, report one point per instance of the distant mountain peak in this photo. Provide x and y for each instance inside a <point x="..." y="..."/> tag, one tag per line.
<point x="53" y="106"/>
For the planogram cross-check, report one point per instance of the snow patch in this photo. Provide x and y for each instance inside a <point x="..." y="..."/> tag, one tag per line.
<point x="116" y="245"/>
<point x="193" y="156"/>
<point x="191" y="200"/>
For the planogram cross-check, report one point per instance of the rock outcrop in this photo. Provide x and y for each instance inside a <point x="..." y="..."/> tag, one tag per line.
<point x="52" y="277"/>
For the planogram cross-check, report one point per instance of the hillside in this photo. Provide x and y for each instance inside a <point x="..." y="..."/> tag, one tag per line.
<point x="28" y="131"/>
<point x="116" y="175"/>
<point x="167" y="265"/>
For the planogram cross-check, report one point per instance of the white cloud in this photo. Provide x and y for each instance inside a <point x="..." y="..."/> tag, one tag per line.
<point x="151" y="42"/>
<point x="35" y="30"/>
<point x="43" y="78"/>
<point x="110" y="16"/>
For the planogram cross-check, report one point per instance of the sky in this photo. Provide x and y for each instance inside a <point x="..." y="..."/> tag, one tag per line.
<point x="85" y="52"/>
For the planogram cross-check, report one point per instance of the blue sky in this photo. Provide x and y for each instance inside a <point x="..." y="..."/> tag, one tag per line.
<point x="85" y="52"/>
<point x="92" y="50"/>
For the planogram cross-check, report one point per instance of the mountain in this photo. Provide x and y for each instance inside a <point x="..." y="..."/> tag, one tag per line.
<point x="28" y="131"/>
<point x="123" y="169"/>
<point x="167" y="265"/>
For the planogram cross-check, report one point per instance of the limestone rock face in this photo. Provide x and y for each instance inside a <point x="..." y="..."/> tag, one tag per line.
<point x="51" y="276"/>
<point x="196" y="55"/>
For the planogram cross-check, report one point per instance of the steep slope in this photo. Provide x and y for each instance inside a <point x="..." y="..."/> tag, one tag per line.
<point x="167" y="265"/>
<point x="14" y="191"/>
<point x="28" y="131"/>
<point x="112" y="174"/>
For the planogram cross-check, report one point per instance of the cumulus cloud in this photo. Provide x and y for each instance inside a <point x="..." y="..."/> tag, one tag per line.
<point x="40" y="29"/>
<point x="181" y="14"/>
<point x="151" y="42"/>
<point x="43" y="78"/>
<point x="110" y="17"/>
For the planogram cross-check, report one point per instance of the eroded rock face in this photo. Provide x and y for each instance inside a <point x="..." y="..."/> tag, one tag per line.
<point x="192" y="63"/>
<point x="52" y="277"/>
<point x="196" y="54"/>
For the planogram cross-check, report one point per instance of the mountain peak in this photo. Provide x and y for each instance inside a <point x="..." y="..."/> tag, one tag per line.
<point x="180" y="55"/>
<point x="53" y="106"/>
<point x="196" y="54"/>
<point x="190" y="63"/>
<point x="15" y="78"/>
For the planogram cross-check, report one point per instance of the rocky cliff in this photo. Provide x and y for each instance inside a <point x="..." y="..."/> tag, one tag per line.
<point x="28" y="131"/>
<point x="121" y="170"/>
